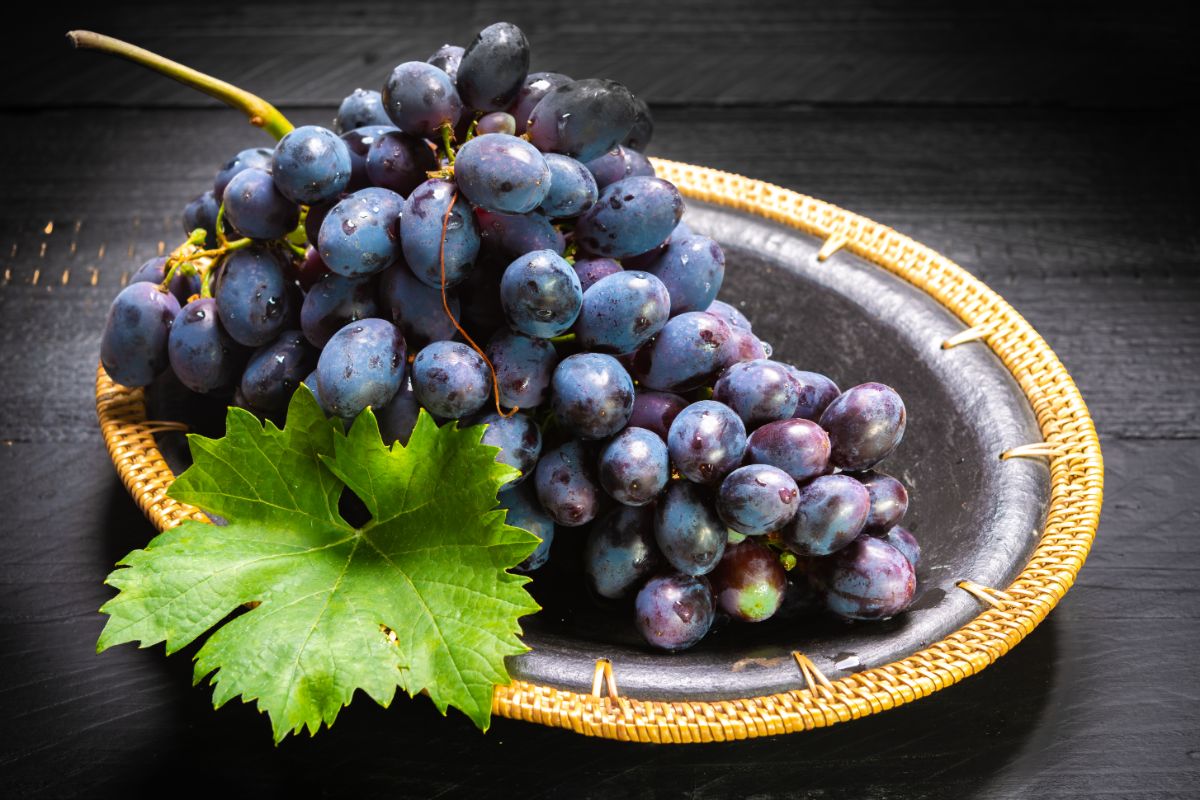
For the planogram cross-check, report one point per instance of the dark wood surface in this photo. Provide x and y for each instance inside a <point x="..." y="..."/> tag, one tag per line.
<point x="1048" y="149"/>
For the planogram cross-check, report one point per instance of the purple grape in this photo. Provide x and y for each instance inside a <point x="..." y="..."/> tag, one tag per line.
<point x="447" y="59"/>
<point x="493" y="68"/>
<point x="572" y="188"/>
<point x="618" y="164"/>
<point x="632" y="216"/>
<point x="525" y="513"/>
<point x="360" y="108"/>
<point x="360" y="234"/>
<point x="524" y="366"/>
<point x="692" y="268"/>
<point x="335" y="301"/>
<point x="362" y="365"/>
<point x="647" y="259"/>
<point x="133" y="348"/>
<point x="415" y="307"/>
<point x="252" y="296"/>
<point x="889" y="501"/>
<point x="655" y="411"/>
<point x="634" y="467"/>
<point x="358" y="142"/>
<point x="311" y="165"/>
<point x="707" y="441"/>
<point x="622" y="312"/>
<point x="749" y="583"/>
<point x="398" y="161"/>
<point x="310" y="269"/>
<point x="182" y="285"/>
<point x="275" y="370"/>
<point x="745" y="346"/>
<point x="398" y="418"/>
<point x="591" y="270"/>
<point x="254" y="158"/>
<point x="757" y="499"/>
<point x="519" y="440"/>
<point x="759" y="391"/>
<point x="451" y="380"/>
<point x="420" y="99"/>
<point x="903" y="540"/>
<point x="643" y="127"/>
<point x="686" y="354"/>
<point x="592" y="395"/>
<point x="620" y="552"/>
<point x="688" y="530"/>
<point x="257" y="208"/>
<point x="722" y="310"/>
<point x="674" y="612"/>
<point x="536" y="86"/>
<point x="203" y="356"/>
<point x="799" y="447"/>
<point x="869" y="579"/>
<point x="540" y="294"/>
<point x="498" y="172"/>
<point x="565" y="485"/>
<point x="497" y="122"/>
<point x="582" y="119"/>
<point x="421" y="234"/>
<point x="865" y="424"/>
<point x="202" y="212"/>
<point x="830" y="512"/>
<point x="509" y="236"/>
<point x="816" y="393"/>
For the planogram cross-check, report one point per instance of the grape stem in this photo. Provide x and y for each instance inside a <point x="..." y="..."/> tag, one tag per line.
<point x="448" y="141"/>
<point x="261" y="113"/>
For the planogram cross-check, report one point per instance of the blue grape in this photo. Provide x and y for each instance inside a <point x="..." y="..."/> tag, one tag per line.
<point x="592" y="395"/>
<point x="869" y="579"/>
<point x="750" y="584"/>
<point x="450" y="379"/>
<point x="620" y="552"/>
<point x="275" y="370"/>
<point x="420" y="99"/>
<point x="618" y="164"/>
<point x="722" y="310"/>
<point x="421" y="233"/>
<point x="415" y="307"/>
<point x="202" y="213"/>
<point x="494" y="67"/>
<point x="362" y="365"/>
<point x="687" y="529"/>
<point x="745" y="346"/>
<point x="655" y="411"/>
<point x="360" y="108"/>
<point x="799" y="447"/>
<point x="903" y="540"/>
<point x="591" y="270"/>
<point x="257" y="208"/>
<point x="519" y="440"/>
<point x="686" y="354"/>
<point x="865" y="425"/>
<point x="760" y="391"/>
<point x="358" y="143"/>
<point x="524" y="366"/>
<point x="634" y="467"/>
<point x="252" y="296"/>
<point x="360" y="234"/>
<point x="310" y="383"/>
<point x="540" y="294"/>
<point x="447" y="58"/>
<point x="525" y="513"/>
<point x="674" y="612"/>
<point x="311" y="165"/>
<point x="398" y="161"/>
<point x="707" y="441"/>
<point x="582" y="119"/>
<point x="203" y="356"/>
<point x="398" y="418"/>
<point x="693" y="269"/>
<point x="502" y="173"/>
<point x="254" y="158"/>
<point x="333" y="302"/>
<point x="622" y="312"/>
<point x="497" y="122"/>
<point x="535" y="86"/>
<point x="565" y="485"/>
<point x="509" y="236"/>
<point x="830" y="512"/>
<point x="757" y="499"/>
<point x="632" y="216"/>
<point x="572" y="188"/>
<point x="642" y="132"/>
<point x="182" y="285"/>
<point x="133" y="348"/>
<point x="889" y="501"/>
<point x="816" y="393"/>
<point x="647" y="259"/>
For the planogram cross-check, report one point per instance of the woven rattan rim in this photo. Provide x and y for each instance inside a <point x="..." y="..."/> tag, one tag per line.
<point x="1069" y="443"/>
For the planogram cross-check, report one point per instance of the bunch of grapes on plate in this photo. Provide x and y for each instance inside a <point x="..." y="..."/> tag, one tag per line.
<point x="490" y="245"/>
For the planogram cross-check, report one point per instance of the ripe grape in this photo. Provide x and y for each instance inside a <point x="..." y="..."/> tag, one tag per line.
<point x="760" y="391"/>
<point x="592" y="395"/>
<point x="634" y="467"/>
<point x="420" y="98"/>
<point x="253" y="158"/>
<point x="706" y="441"/>
<point x="620" y="552"/>
<point x="450" y="379"/>
<point x="252" y="296"/>
<point x="362" y="365"/>
<point x="869" y="579"/>
<point x="540" y="294"/>
<point x="617" y="164"/>
<point x="421" y="234"/>
<point x="572" y="188"/>
<point x="642" y="132"/>
<point x="203" y="356"/>
<point x="535" y="86"/>
<point x="358" y="142"/>
<point x="202" y="213"/>
<point x="509" y="236"/>
<point x="565" y="485"/>
<point x="622" y="312"/>
<point x="686" y="354"/>
<point x="398" y="418"/>
<point x="721" y="309"/>
<point x="133" y="348"/>
<point x="358" y="237"/>
<point x="688" y="530"/>
<point x="889" y="501"/>
<point x="275" y="370"/>
<point x="903" y="540"/>
<point x="816" y="393"/>
<point x="524" y="512"/>
<point x="582" y="119"/>
<point x="830" y="512"/>
<point x="524" y="366"/>
<point x="865" y="425"/>
<point x="360" y="108"/>
<point x="416" y="308"/>
<point x="745" y="346"/>
<point x="493" y="68"/>
<point x="311" y="165"/>
<point x="519" y="440"/>
<point x="655" y="411"/>
<point x="799" y="447"/>
<point x="632" y="216"/>
<point x="591" y="270"/>
<point x="334" y="301"/>
<point x="757" y="499"/>
<point x="310" y="269"/>
<point x="398" y="161"/>
<point x="749" y="583"/>
<point x="692" y="268"/>
<point x="674" y="611"/>
<point x="497" y="122"/>
<point x="256" y="207"/>
<point x="502" y="173"/>
<point x="182" y="285"/>
<point x="447" y="58"/>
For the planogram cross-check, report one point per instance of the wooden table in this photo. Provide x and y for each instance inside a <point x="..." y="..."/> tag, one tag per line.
<point x="1048" y="150"/>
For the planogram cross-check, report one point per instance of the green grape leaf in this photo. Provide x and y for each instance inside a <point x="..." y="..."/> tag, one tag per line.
<point x="419" y="598"/>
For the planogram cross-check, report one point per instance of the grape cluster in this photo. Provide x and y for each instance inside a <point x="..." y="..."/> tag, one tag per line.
<point x="472" y="201"/>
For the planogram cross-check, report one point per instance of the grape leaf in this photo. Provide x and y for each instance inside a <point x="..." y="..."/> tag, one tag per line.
<point x="429" y="567"/>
